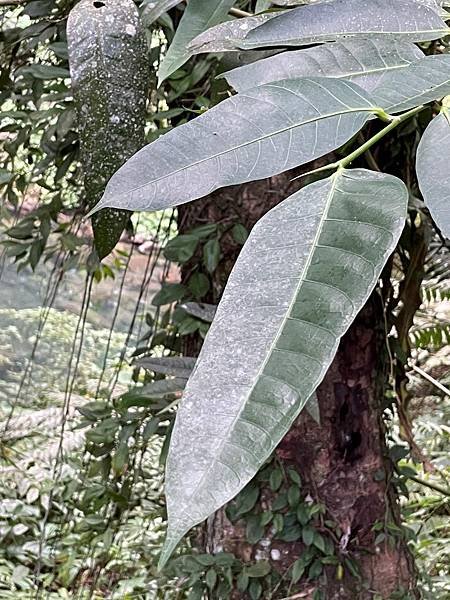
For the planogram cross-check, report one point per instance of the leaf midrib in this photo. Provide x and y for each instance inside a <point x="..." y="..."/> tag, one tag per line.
<point x="330" y="38"/>
<point x="301" y="280"/>
<point x="372" y="109"/>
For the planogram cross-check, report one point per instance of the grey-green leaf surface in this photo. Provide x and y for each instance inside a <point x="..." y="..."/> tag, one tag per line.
<point x="433" y="169"/>
<point x="109" y="70"/>
<point x="362" y="61"/>
<point x="423" y="81"/>
<point x="198" y="16"/>
<point x="330" y="21"/>
<point x="155" y="8"/>
<point x="265" y="131"/>
<point x="225" y="36"/>
<point x="312" y="408"/>
<point x="306" y="270"/>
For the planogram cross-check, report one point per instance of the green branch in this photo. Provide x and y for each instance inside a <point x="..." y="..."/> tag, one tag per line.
<point x="394" y="122"/>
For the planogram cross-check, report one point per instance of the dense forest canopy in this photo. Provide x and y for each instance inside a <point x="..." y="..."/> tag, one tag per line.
<point x="225" y="301"/>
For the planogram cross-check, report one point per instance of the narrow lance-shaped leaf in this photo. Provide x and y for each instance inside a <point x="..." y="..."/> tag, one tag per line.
<point x="433" y="168"/>
<point x="198" y="16"/>
<point x="306" y="270"/>
<point x="107" y="55"/>
<point x="153" y="9"/>
<point x="225" y="36"/>
<point x="421" y="82"/>
<point x="330" y="21"/>
<point x="179" y="366"/>
<point x="362" y="61"/>
<point x="250" y="136"/>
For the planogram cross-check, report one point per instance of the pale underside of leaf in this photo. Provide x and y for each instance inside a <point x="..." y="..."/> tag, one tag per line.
<point x="306" y="270"/>
<point x="330" y="21"/>
<point x="198" y="16"/>
<point x="433" y="170"/>
<point x="179" y="366"/>
<point x="267" y="130"/>
<point x="421" y="82"/>
<point x="362" y="61"/>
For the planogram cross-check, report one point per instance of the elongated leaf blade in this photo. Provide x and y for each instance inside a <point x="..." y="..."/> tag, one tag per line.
<point x="433" y="169"/>
<point x="198" y="16"/>
<point x="226" y="36"/>
<point x="179" y="366"/>
<point x="330" y="21"/>
<point x="423" y="81"/>
<point x="362" y="61"/>
<point x="305" y="272"/>
<point x="108" y="66"/>
<point x="250" y="136"/>
<point x="155" y="8"/>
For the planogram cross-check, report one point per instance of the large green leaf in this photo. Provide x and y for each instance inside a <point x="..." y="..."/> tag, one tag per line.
<point x="250" y="136"/>
<point x="362" y="61"/>
<point x="108" y="66"/>
<point x="433" y="169"/>
<point x="198" y="16"/>
<point x="306" y="270"/>
<point x="330" y="21"/>
<point x="423" y="81"/>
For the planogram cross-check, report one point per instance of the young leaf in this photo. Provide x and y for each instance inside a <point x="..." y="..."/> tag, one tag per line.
<point x="433" y="169"/>
<point x="198" y="16"/>
<point x="423" y="81"/>
<point x="331" y="21"/>
<point x="306" y="270"/>
<point x="265" y="131"/>
<point x="362" y="61"/>
<point x="107" y="51"/>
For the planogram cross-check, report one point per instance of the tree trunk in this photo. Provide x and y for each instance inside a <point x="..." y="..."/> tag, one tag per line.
<point x="343" y="462"/>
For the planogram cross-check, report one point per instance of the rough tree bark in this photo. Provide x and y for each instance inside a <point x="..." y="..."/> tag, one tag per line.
<point x="343" y="461"/>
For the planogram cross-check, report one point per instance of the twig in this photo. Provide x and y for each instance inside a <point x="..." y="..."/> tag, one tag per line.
<point x="428" y="484"/>
<point x="432" y="380"/>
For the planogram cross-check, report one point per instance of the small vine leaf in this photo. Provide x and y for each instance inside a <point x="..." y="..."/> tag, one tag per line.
<point x="198" y="16"/>
<point x="307" y="269"/>
<point x="321" y="22"/>
<point x="109" y="70"/>
<point x="171" y="365"/>
<point x="267" y="130"/>
<point x="433" y="170"/>
<point x="363" y="61"/>
<point x="202" y="311"/>
<point x="423" y="81"/>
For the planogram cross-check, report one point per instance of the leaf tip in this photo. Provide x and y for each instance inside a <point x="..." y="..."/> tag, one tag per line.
<point x="93" y="211"/>
<point x="169" y="546"/>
